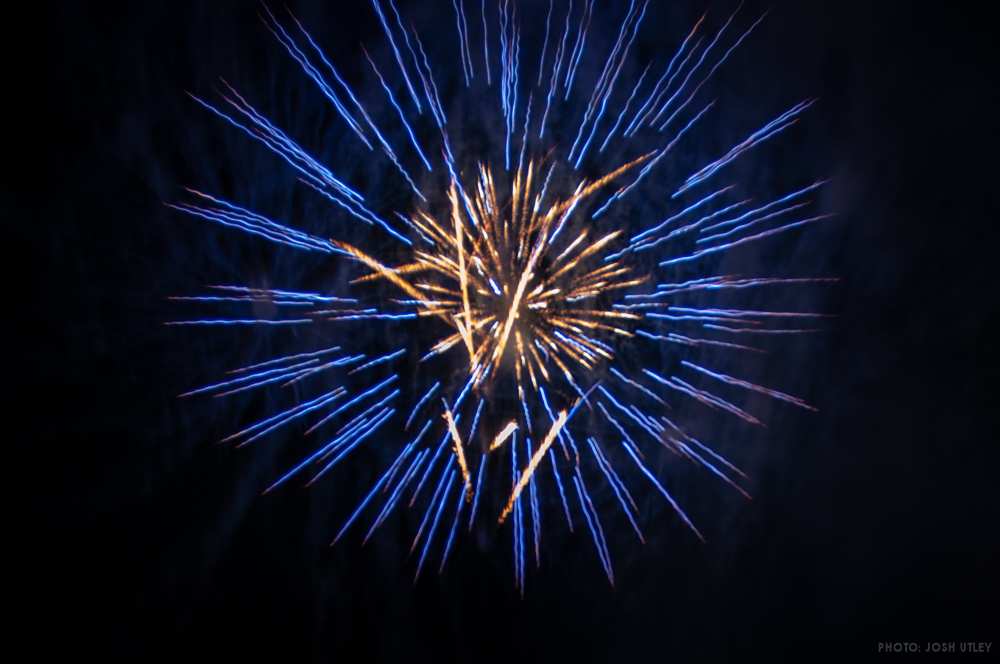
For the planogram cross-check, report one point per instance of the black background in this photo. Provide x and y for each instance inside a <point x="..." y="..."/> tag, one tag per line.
<point x="874" y="520"/>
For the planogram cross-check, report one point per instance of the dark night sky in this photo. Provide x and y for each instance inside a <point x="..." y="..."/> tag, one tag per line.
<point x="875" y="519"/>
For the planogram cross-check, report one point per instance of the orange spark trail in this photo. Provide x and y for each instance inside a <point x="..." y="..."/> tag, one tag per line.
<point x="502" y="437"/>
<point x="459" y="454"/>
<point x="536" y="458"/>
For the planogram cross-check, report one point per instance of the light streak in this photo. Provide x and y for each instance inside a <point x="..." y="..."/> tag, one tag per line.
<point x="507" y="280"/>
<point x="536" y="458"/>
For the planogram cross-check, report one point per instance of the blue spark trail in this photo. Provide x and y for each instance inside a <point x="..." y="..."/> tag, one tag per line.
<point x="375" y="489"/>
<point x="670" y="499"/>
<point x="437" y="517"/>
<point x="559" y="485"/>
<point x="617" y="487"/>
<point x="621" y="193"/>
<point x="454" y="528"/>
<point x="394" y="496"/>
<point x="416" y="408"/>
<point x="655" y="94"/>
<point x="278" y="360"/>
<point x="395" y="49"/>
<point x="379" y="421"/>
<point x="752" y="238"/>
<point x="364" y="395"/>
<point x="479" y="483"/>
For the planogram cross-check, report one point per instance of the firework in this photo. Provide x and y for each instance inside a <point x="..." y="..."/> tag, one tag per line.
<point x="516" y="280"/>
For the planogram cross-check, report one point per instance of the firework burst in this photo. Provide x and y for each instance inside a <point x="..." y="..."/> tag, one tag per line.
<point x="514" y="276"/>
